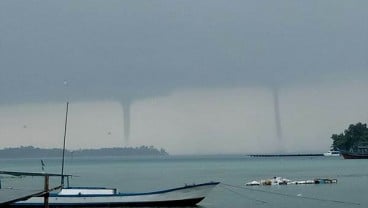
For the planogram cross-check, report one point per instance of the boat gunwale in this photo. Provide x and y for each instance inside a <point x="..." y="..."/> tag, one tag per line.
<point x="132" y="194"/>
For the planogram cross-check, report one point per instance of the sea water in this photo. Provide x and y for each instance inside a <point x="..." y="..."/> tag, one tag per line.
<point x="142" y="174"/>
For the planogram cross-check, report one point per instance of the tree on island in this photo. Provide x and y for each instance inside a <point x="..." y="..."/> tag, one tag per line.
<point x="351" y="137"/>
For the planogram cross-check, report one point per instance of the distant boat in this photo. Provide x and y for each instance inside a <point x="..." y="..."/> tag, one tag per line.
<point x="332" y="153"/>
<point x="358" y="152"/>
<point x="350" y="155"/>
<point x="354" y="155"/>
<point x="184" y="196"/>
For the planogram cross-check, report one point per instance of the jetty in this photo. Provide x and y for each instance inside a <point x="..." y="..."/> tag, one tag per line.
<point x="287" y="155"/>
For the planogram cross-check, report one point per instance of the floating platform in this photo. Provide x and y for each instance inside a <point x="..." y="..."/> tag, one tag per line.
<point x="285" y="181"/>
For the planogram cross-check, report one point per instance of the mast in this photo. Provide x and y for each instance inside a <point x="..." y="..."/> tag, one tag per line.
<point x="63" y="159"/>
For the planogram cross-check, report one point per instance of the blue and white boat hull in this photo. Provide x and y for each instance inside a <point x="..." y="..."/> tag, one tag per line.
<point x="188" y="195"/>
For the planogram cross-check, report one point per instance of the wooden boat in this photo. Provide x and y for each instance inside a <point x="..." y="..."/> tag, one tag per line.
<point x="358" y="152"/>
<point x="188" y="195"/>
<point x="352" y="155"/>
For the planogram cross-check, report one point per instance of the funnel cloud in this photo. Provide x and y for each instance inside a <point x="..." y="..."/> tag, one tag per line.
<point x="126" y="115"/>
<point x="276" y="106"/>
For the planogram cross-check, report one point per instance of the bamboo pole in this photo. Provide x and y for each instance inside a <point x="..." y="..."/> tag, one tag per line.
<point x="46" y="189"/>
<point x="62" y="163"/>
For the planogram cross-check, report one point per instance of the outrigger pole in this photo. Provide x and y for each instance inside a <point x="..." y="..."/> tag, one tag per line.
<point x="62" y="165"/>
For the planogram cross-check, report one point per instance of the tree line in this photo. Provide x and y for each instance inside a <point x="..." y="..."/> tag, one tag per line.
<point x="33" y="152"/>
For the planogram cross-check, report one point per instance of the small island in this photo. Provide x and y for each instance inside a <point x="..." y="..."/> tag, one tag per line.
<point x="35" y="152"/>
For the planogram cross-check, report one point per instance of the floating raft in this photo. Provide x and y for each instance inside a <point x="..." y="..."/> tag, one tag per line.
<point x="285" y="181"/>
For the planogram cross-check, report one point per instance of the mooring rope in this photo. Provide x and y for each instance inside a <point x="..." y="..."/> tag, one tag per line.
<point x="292" y="196"/>
<point x="243" y="195"/>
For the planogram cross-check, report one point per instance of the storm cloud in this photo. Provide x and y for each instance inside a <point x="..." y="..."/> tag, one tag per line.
<point x="111" y="49"/>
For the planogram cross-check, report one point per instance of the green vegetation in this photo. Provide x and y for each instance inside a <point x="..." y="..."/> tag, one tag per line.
<point x="351" y="137"/>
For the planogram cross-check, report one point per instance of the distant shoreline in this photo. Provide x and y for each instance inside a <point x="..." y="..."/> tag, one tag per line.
<point x="35" y="152"/>
<point x="142" y="151"/>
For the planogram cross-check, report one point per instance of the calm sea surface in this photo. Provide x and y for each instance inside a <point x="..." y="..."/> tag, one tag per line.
<point x="151" y="174"/>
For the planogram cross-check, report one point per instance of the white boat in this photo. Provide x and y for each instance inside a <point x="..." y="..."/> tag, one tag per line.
<point x="332" y="153"/>
<point x="188" y="195"/>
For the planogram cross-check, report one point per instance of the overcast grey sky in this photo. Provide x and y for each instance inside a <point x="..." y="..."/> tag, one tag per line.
<point x="194" y="73"/>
